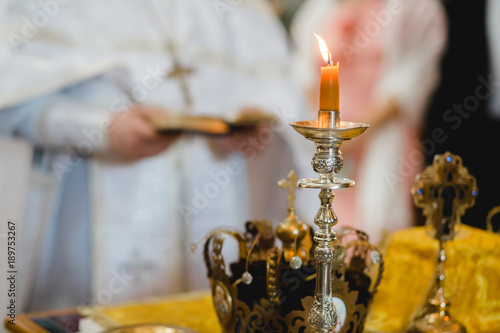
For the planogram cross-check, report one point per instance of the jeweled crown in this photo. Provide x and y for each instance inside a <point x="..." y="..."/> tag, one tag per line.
<point x="270" y="286"/>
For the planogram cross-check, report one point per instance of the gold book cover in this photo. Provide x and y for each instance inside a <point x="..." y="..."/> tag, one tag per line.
<point x="208" y="125"/>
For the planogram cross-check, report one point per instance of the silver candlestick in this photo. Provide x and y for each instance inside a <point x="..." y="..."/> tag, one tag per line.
<point x="328" y="133"/>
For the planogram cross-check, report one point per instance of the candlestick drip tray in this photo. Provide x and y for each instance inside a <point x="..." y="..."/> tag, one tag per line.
<point x="333" y="183"/>
<point x="346" y="131"/>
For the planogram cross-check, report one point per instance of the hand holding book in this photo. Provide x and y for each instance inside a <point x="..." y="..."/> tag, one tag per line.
<point x="132" y="136"/>
<point x="245" y="130"/>
<point x="209" y="125"/>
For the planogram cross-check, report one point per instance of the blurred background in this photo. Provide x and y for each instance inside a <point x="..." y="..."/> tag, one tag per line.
<point x="98" y="195"/>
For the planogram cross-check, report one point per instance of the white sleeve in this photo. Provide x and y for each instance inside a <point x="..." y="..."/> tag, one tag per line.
<point x="76" y="118"/>
<point x="415" y="42"/>
<point x="65" y="123"/>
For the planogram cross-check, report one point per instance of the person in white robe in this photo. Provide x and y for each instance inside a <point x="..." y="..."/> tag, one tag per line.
<point x="389" y="53"/>
<point x="113" y="206"/>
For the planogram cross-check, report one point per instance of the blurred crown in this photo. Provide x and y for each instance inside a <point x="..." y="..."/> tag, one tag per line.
<point x="270" y="288"/>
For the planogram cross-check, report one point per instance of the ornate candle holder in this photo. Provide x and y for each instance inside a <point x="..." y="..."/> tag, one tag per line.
<point x="444" y="191"/>
<point x="328" y="133"/>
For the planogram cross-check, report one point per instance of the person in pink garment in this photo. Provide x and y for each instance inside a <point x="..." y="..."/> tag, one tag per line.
<point x="389" y="53"/>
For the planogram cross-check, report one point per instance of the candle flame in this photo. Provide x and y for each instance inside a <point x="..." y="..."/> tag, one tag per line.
<point x="327" y="56"/>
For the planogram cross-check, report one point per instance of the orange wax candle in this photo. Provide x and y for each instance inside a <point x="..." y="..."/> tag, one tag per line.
<point x="329" y="88"/>
<point x="329" y="113"/>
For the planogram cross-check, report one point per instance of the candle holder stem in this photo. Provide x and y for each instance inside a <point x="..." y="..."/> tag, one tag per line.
<point x="440" y="277"/>
<point x="437" y="303"/>
<point x="323" y="316"/>
<point x="434" y="314"/>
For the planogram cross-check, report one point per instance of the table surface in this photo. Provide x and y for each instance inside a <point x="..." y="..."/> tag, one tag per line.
<point x="27" y="323"/>
<point x="174" y="310"/>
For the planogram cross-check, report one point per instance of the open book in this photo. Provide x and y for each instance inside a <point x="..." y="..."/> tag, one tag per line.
<point x="208" y="124"/>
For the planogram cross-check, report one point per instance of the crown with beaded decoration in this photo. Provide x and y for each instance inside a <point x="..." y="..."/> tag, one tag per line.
<point x="270" y="288"/>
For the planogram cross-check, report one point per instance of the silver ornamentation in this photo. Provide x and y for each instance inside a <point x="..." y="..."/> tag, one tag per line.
<point x="247" y="278"/>
<point x="323" y="314"/>
<point x="223" y="302"/>
<point x="296" y="262"/>
<point x="338" y="163"/>
<point x="375" y="257"/>
<point x="322" y="164"/>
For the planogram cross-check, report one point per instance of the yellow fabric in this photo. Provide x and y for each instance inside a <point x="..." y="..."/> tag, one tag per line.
<point x="472" y="285"/>
<point x="472" y="279"/>
<point x="191" y="310"/>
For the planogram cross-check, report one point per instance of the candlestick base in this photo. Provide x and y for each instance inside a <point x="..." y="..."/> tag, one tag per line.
<point x="436" y="320"/>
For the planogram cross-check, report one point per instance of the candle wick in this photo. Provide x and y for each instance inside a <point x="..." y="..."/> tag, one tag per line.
<point x="329" y="59"/>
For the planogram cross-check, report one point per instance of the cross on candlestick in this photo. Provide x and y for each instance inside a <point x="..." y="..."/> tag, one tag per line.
<point x="290" y="184"/>
<point x="444" y="191"/>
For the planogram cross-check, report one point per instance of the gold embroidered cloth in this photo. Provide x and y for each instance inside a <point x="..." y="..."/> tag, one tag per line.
<point x="472" y="279"/>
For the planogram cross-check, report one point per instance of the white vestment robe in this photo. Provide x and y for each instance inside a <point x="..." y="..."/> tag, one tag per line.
<point x="118" y="231"/>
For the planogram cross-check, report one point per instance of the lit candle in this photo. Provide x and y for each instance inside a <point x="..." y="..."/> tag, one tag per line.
<point x="329" y="89"/>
